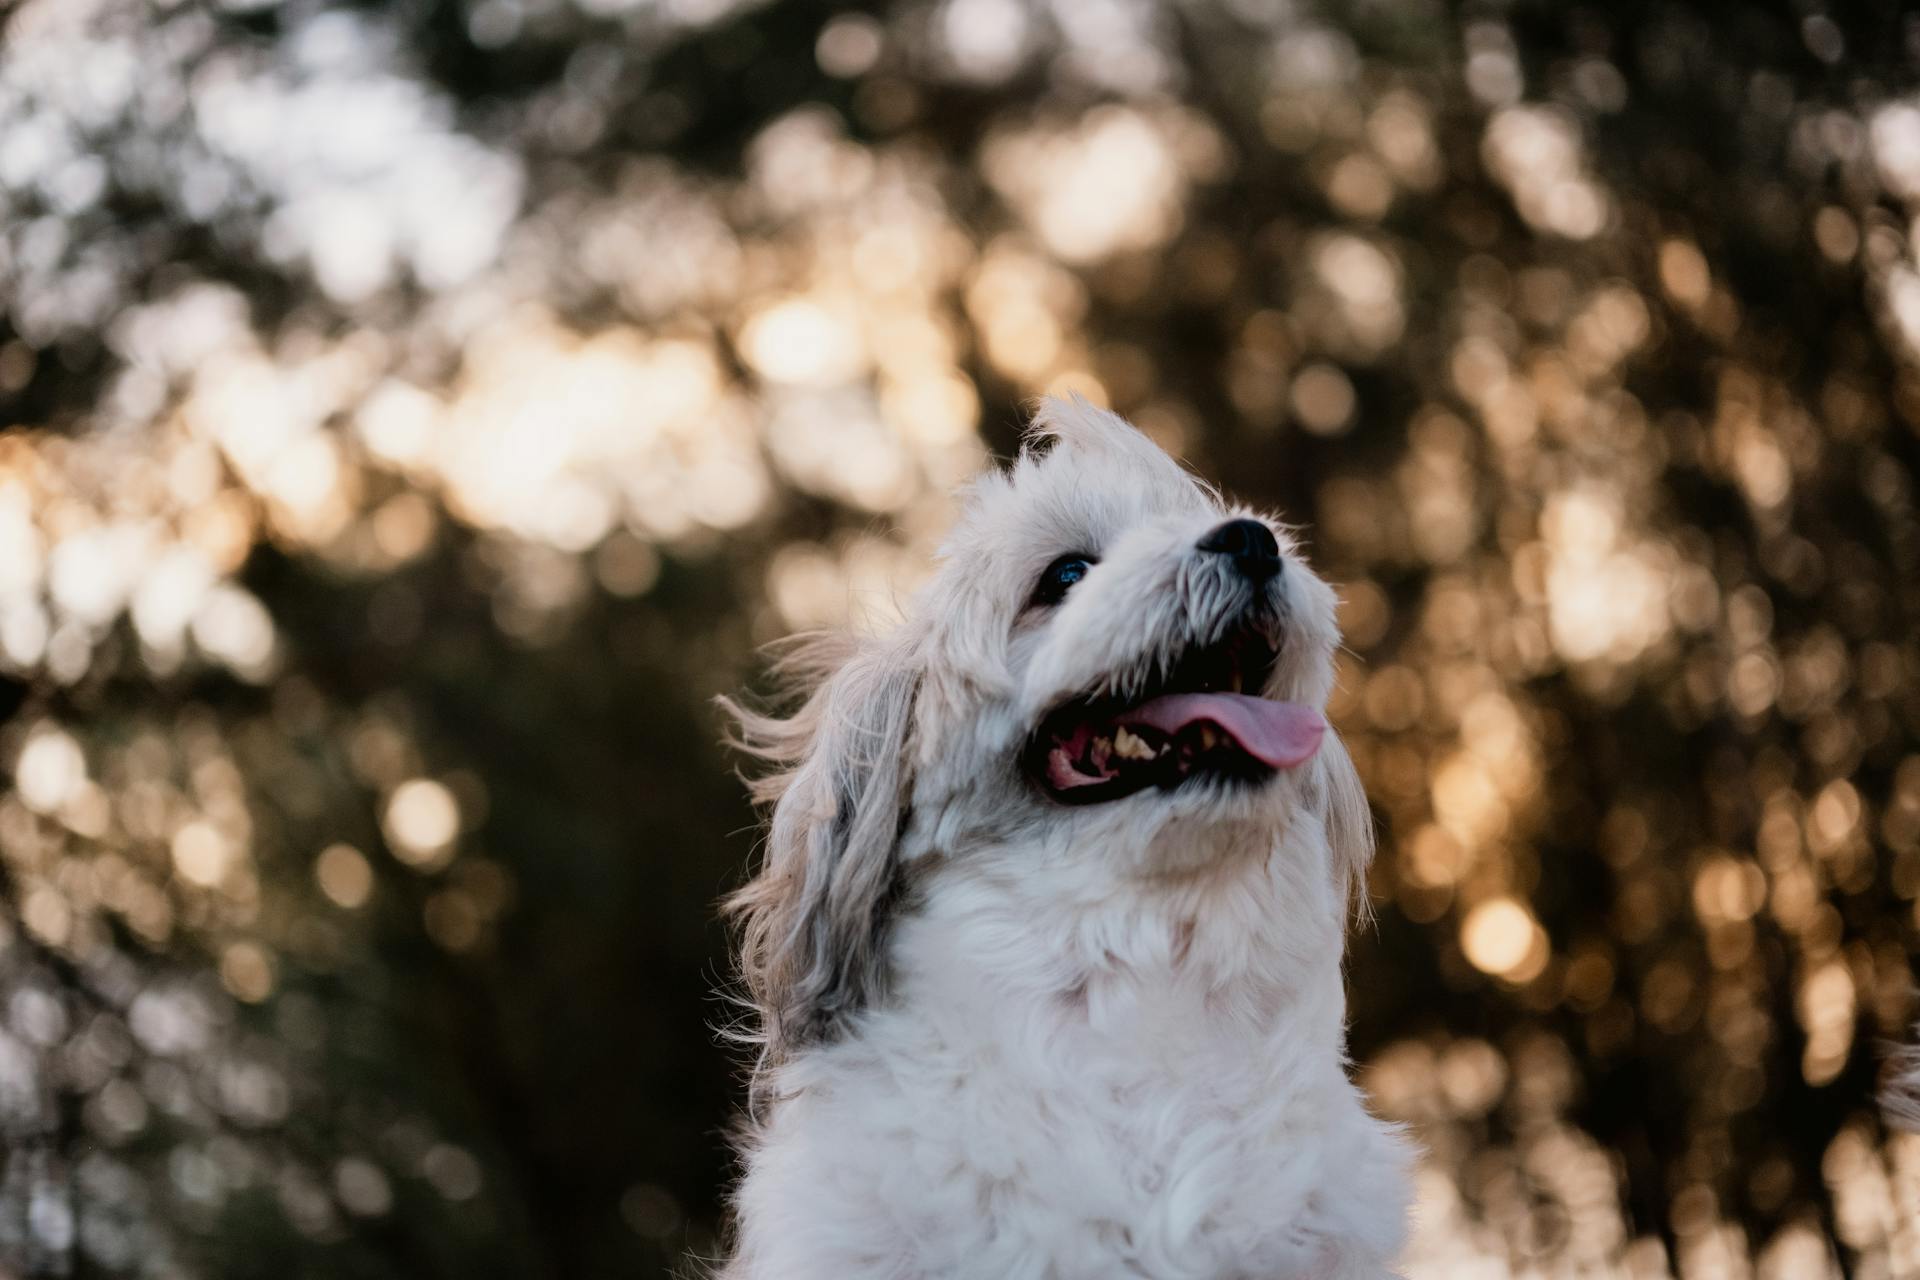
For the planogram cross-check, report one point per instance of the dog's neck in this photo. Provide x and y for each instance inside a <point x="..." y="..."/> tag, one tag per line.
<point x="1242" y="944"/>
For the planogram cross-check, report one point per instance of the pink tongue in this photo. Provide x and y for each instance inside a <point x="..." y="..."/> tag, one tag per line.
<point x="1278" y="734"/>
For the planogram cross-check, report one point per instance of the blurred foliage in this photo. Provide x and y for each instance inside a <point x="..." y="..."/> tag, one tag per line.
<point x="419" y="410"/>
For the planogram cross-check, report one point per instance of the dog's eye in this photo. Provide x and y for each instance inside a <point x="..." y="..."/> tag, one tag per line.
<point x="1058" y="578"/>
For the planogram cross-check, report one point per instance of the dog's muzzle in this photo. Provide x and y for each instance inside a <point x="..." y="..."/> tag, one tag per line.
<point x="1192" y="718"/>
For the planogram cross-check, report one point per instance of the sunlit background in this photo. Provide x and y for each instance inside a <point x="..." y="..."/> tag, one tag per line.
<point x="417" y="411"/>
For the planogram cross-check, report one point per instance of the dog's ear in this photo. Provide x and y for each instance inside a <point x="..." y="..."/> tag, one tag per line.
<point x="1900" y="1096"/>
<point x="1348" y="819"/>
<point x="813" y="916"/>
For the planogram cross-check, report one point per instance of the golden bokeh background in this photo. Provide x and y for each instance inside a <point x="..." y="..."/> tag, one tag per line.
<point x="417" y="412"/>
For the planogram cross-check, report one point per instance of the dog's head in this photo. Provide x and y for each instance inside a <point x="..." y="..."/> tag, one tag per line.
<point x="1113" y="670"/>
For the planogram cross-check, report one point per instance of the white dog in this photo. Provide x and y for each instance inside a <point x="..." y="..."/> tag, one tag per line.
<point x="1046" y="949"/>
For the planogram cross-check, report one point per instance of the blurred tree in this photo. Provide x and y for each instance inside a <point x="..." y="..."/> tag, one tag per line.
<point x="421" y="409"/>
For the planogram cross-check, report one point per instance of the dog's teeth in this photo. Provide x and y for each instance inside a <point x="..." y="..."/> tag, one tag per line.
<point x="1131" y="746"/>
<point x="1234" y="682"/>
<point x="1102" y="752"/>
<point x="1209" y="737"/>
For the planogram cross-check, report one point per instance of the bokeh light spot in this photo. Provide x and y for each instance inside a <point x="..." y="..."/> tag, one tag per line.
<point x="421" y="820"/>
<point x="344" y="875"/>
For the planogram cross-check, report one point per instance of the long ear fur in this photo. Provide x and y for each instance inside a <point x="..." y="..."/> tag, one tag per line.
<point x="1349" y="820"/>
<point x="1900" y="1099"/>
<point x="813" y="917"/>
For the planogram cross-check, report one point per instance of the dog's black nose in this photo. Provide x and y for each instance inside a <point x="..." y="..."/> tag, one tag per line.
<point x="1251" y="544"/>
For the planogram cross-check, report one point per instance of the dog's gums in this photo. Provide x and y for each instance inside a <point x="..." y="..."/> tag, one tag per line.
<point x="1195" y="722"/>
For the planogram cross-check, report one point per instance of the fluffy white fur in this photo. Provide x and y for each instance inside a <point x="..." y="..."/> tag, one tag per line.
<point x="1009" y="1039"/>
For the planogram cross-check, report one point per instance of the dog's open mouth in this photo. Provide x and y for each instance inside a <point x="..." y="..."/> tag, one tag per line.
<point x="1195" y="721"/>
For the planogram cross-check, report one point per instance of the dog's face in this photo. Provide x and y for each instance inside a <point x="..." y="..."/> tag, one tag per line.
<point x="1108" y="649"/>
<point x="1112" y="670"/>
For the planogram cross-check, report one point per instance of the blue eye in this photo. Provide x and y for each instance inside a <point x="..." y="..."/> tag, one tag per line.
<point x="1058" y="578"/>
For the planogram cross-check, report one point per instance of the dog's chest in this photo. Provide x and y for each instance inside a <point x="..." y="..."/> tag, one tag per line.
<point x="1144" y="1146"/>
